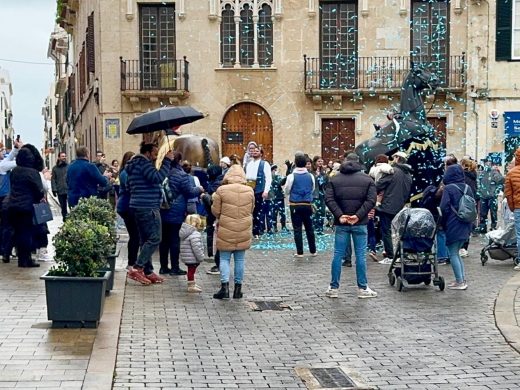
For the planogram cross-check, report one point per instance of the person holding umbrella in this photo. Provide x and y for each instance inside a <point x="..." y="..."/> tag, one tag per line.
<point x="144" y="182"/>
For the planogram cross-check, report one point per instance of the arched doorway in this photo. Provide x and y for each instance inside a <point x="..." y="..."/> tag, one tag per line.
<point x="245" y="122"/>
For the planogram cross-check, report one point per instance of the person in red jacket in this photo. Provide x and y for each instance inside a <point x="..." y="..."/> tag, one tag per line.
<point x="512" y="193"/>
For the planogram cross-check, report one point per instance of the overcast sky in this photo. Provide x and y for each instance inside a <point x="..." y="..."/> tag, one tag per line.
<point x="25" y="28"/>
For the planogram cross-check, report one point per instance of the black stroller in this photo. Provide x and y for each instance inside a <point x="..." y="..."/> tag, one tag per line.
<point x="414" y="262"/>
<point x="501" y="246"/>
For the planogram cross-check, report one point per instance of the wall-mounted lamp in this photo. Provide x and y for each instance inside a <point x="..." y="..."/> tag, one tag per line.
<point x="56" y="142"/>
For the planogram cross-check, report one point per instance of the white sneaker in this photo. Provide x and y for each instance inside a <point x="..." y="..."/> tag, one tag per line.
<point x="366" y="293"/>
<point x="43" y="255"/>
<point x="458" y="286"/>
<point x="463" y="252"/>
<point x="332" y="292"/>
<point x="386" y="260"/>
<point x="517" y="268"/>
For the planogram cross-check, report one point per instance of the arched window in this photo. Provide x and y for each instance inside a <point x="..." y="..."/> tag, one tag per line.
<point x="246" y="33"/>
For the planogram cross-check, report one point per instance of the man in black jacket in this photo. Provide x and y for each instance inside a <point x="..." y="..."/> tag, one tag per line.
<point x="59" y="182"/>
<point x="396" y="192"/>
<point x="350" y="195"/>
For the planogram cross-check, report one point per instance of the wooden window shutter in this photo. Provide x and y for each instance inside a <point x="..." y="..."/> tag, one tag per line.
<point x="82" y="71"/>
<point x="91" y="58"/>
<point x="72" y="86"/>
<point x="504" y="22"/>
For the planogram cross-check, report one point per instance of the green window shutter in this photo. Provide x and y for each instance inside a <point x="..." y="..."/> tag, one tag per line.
<point x="504" y="20"/>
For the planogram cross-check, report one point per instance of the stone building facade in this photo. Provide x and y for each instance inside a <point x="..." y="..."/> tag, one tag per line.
<point x="6" y="114"/>
<point x="311" y="75"/>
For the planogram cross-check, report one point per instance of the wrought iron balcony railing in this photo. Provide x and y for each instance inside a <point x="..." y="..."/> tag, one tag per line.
<point x="378" y="73"/>
<point x="166" y="75"/>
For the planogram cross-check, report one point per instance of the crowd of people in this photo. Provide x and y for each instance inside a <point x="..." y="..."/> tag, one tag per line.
<point x="167" y="208"/>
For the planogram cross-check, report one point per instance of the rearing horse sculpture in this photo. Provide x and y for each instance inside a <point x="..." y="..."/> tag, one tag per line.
<point x="410" y="131"/>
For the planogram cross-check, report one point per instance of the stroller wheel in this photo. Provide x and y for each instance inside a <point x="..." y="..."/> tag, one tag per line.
<point x="483" y="259"/>
<point x="391" y="279"/>
<point x="441" y="283"/>
<point x="399" y="284"/>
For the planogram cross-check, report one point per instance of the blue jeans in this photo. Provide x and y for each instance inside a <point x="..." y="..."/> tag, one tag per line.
<point x="442" y="249"/>
<point x="517" y="228"/>
<point x="343" y="235"/>
<point x="456" y="262"/>
<point x="149" y="225"/>
<point x="225" y="259"/>
<point x="488" y="205"/>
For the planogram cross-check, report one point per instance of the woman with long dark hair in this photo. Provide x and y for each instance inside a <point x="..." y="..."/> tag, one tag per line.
<point x="123" y="209"/>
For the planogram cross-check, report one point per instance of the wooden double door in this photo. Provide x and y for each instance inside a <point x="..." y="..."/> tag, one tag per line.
<point x="337" y="137"/>
<point x="243" y="123"/>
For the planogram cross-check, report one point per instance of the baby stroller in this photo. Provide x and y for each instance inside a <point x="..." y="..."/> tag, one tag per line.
<point x="414" y="262"/>
<point x="501" y="246"/>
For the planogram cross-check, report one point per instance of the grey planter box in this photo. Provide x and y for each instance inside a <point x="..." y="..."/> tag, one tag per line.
<point x="75" y="302"/>
<point x="111" y="260"/>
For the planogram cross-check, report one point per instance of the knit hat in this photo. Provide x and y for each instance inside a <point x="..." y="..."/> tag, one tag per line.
<point x="403" y="155"/>
<point x="226" y="161"/>
<point x="352" y="157"/>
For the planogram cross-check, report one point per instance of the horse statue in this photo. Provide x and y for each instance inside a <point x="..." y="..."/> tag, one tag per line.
<point x="410" y="131"/>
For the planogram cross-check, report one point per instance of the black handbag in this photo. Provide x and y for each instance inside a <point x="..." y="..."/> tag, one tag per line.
<point x="42" y="213"/>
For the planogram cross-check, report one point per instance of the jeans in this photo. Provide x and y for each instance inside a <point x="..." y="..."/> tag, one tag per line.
<point x="372" y="239"/>
<point x="488" y="205"/>
<point x="386" y="231"/>
<point x="517" y="228"/>
<point x="302" y="215"/>
<point x="133" y="236"/>
<point x="343" y="234"/>
<point x="278" y="207"/>
<point x="268" y="218"/>
<point x="62" y="198"/>
<point x="225" y="259"/>
<point x="149" y="225"/>
<point x="442" y="250"/>
<point x="318" y="218"/>
<point x="456" y="262"/>
<point x="171" y="244"/>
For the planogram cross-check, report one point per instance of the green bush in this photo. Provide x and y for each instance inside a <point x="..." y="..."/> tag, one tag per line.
<point x="81" y="248"/>
<point x="99" y="210"/>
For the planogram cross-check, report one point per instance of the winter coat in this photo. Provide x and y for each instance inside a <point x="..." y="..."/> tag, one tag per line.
<point x="396" y="188"/>
<point x="454" y="185"/>
<point x="350" y="192"/>
<point x="379" y="170"/>
<point x="144" y="182"/>
<point x="233" y="205"/>
<point x="59" y="178"/>
<point x="183" y="189"/>
<point x="490" y="181"/>
<point x="83" y="179"/>
<point x="26" y="184"/>
<point x="512" y="185"/>
<point x="123" y="196"/>
<point x="192" y="247"/>
<point x="470" y="178"/>
<point x="276" y="191"/>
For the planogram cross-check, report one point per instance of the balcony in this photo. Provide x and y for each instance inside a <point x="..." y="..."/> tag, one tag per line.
<point x="155" y="80"/>
<point x="377" y="75"/>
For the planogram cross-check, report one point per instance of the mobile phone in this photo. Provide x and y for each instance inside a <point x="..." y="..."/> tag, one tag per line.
<point x="18" y="138"/>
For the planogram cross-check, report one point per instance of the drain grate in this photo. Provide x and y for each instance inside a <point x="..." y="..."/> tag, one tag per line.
<point x="269" y="305"/>
<point x="332" y="378"/>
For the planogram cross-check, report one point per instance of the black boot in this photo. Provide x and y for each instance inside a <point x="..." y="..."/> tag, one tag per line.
<point x="223" y="292"/>
<point x="237" y="294"/>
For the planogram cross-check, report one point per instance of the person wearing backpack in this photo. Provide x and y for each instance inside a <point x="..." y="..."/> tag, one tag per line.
<point x="456" y="225"/>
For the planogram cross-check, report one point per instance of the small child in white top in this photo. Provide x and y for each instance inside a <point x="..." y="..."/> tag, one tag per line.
<point x="381" y="168"/>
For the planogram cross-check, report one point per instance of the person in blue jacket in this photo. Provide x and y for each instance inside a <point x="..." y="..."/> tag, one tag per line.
<point x="83" y="177"/>
<point x="173" y="217"/>
<point x="457" y="231"/>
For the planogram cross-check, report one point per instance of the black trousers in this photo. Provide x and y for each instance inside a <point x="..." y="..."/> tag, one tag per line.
<point x="22" y="223"/>
<point x="170" y="244"/>
<point x="385" y="221"/>
<point x="302" y="215"/>
<point x="62" y="198"/>
<point x="258" y="215"/>
<point x="133" y="236"/>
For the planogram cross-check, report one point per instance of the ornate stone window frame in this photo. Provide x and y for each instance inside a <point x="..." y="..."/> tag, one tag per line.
<point x="216" y="6"/>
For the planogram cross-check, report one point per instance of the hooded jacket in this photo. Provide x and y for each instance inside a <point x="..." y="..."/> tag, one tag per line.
<point x="233" y="205"/>
<point x="192" y="247"/>
<point x="59" y="178"/>
<point x="490" y="181"/>
<point x="512" y="184"/>
<point x="350" y="192"/>
<point x="83" y="179"/>
<point x="144" y="182"/>
<point x="454" y="185"/>
<point x="26" y="183"/>
<point x="396" y="189"/>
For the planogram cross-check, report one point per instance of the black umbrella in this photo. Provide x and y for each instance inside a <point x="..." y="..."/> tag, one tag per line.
<point x="163" y="118"/>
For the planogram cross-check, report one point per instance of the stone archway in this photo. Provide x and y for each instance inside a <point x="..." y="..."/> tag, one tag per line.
<point x="245" y="122"/>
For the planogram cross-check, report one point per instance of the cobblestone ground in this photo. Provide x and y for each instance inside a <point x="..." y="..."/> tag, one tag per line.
<point x="418" y="339"/>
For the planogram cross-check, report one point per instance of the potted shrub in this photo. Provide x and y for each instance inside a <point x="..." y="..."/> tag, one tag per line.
<point x="75" y="287"/>
<point x="102" y="212"/>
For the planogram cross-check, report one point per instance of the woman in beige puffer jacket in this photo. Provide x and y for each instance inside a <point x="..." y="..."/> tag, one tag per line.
<point x="233" y="205"/>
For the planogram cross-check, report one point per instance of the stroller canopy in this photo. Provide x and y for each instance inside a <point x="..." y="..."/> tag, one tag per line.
<point x="415" y="227"/>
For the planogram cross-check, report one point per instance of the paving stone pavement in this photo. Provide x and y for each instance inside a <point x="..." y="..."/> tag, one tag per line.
<point x="418" y="339"/>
